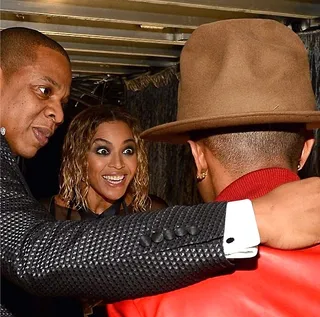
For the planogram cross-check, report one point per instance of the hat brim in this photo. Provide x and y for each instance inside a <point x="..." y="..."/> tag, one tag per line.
<point x="179" y="131"/>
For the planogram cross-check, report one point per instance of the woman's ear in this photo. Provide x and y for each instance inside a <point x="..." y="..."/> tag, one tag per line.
<point x="307" y="148"/>
<point x="199" y="157"/>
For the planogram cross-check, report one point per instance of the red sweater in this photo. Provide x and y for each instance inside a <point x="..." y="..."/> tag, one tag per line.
<point x="280" y="283"/>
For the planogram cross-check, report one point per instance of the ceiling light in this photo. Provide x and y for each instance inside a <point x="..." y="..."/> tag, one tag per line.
<point x="151" y="27"/>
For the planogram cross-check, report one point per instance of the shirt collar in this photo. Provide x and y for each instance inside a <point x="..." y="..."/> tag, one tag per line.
<point x="256" y="184"/>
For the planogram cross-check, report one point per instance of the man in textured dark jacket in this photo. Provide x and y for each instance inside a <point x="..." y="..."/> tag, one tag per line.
<point x="118" y="257"/>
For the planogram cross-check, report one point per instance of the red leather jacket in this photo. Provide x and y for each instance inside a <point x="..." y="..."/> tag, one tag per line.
<point x="284" y="283"/>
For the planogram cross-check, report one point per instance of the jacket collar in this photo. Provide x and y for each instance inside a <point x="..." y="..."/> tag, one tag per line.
<point x="6" y="152"/>
<point x="11" y="159"/>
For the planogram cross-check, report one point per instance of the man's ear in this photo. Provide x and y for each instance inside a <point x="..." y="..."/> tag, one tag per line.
<point x="2" y="81"/>
<point x="199" y="157"/>
<point x="1" y="76"/>
<point x="204" y="186"/>
<point x="307" y="148"/>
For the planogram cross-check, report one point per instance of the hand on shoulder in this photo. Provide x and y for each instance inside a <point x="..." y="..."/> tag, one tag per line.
<point x="289" y="216"/>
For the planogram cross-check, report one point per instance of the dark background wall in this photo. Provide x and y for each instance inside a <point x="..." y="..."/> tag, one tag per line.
<point x="153" y="99"/>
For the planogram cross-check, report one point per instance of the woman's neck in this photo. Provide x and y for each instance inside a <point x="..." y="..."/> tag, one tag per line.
<point x="98" y="204"/>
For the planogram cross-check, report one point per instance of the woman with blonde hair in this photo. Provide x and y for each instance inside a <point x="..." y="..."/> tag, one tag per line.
<point x="104" y="172"/>
<point x="104" y="167"/>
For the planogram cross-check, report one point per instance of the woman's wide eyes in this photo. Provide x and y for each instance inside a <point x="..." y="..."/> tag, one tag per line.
<point x="128" y="151"/>
<point x="102" y="151"/>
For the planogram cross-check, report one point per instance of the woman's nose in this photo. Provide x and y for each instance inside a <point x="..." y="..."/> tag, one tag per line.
<point x="116" y="161"/>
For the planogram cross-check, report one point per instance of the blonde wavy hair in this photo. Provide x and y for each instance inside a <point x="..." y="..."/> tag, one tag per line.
<point x="74" y="183"/>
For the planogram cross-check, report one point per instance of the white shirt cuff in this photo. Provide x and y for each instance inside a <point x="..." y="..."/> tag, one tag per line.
<point x="241" y="235"/>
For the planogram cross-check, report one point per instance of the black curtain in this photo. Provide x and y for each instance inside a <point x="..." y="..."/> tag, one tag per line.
<point x="153" y="99"/>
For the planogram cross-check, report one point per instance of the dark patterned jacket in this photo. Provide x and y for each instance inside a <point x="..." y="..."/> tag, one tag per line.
<point x="114" y="258"/>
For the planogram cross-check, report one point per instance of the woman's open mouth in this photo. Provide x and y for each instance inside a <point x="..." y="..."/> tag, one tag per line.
<point x="114" y="179"/>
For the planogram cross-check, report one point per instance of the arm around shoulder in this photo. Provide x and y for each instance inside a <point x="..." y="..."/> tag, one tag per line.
<point x="115" y="258"/>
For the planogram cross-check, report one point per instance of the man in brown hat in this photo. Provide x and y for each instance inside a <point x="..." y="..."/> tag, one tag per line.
<point x="245" y="107"/>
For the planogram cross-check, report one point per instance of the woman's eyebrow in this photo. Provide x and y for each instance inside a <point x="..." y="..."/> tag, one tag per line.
<point x="101" y="140"/>
<point x="108" y="142"/>
<point x="128" y="140"/>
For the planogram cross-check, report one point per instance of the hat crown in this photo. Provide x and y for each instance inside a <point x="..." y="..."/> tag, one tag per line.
<point x="241" y="72"/>
<point x="236" y="67"/>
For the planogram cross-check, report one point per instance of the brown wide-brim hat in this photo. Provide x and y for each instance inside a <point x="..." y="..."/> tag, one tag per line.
<point x="241" y="72"/>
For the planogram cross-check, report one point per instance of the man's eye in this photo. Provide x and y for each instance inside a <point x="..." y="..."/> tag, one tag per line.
<point x="45" y="91"/>
<point x="102" y="151"/>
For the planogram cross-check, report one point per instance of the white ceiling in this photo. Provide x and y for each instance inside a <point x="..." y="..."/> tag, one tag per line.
<point x="135" y="36"/>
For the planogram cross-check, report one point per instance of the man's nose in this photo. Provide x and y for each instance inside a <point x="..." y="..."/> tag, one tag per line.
<point x="54" y="111"/>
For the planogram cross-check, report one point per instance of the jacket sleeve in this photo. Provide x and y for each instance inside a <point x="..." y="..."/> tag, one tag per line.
<point x="114" y="258"/>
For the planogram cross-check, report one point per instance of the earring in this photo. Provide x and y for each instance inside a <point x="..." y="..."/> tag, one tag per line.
<point x="299" y="167"/>
<point x="202" y="176"/>
<point x="3" y="131"/>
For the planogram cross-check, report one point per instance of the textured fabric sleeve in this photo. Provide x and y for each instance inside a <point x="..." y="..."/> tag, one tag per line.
<point x="4" y="312"/>
<point x="114" y="258"/>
